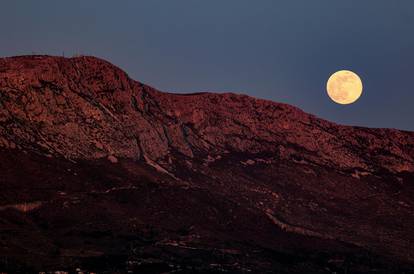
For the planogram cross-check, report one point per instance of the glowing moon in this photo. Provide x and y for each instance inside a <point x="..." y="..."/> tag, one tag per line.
<point x="344" y="87"/>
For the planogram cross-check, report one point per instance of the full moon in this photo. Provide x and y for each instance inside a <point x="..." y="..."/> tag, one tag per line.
<point x="344" y="87"/>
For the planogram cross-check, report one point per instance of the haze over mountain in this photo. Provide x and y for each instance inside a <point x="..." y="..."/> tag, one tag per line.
<point x="99" y="170"/>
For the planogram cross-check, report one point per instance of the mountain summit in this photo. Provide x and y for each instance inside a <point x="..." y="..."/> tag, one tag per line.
<point x="105" y="172"/>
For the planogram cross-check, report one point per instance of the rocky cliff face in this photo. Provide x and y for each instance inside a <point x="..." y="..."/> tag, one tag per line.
<point x="270" y="172"/>
<point x="87" y="108"/>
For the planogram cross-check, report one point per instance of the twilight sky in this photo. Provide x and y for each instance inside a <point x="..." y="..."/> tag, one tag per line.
<point x="278" y="50"/>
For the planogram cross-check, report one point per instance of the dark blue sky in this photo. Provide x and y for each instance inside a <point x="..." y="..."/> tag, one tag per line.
<point x="279" y="50"/>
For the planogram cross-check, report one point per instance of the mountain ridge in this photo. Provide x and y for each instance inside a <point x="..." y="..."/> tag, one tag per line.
<point x="98" y="100"/>
<point x="96" y="165"/>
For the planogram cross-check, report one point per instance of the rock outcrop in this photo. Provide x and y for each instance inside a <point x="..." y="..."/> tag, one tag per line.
<point x="87" y="108"/>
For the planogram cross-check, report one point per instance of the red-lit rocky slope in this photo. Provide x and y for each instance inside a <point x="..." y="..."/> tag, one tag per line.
<point x="95" y="165"/>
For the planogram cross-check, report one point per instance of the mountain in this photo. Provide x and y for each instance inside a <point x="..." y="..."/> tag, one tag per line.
<point x="105" y="173"/>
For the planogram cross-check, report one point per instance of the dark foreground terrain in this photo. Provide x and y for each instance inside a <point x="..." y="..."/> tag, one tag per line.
<point x="104" y="173"/>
